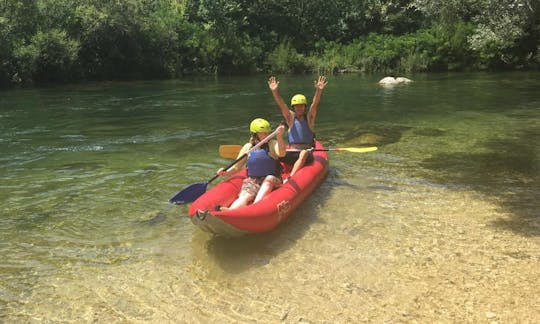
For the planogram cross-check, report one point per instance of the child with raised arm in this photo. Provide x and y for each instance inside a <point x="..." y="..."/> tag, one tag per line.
<point x="301" y="123"/>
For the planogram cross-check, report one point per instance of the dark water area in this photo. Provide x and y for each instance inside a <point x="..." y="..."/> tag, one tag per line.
<point x="402" y="234"/>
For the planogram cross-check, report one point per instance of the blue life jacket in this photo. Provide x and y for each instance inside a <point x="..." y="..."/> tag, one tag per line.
<point x="300" y="133"/>
<point x="261" y="164"/>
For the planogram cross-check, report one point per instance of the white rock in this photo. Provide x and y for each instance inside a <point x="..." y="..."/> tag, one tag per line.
<point x="388" y="80"/>
<point x="392" y="81"/>
<point x="403" y="80"/>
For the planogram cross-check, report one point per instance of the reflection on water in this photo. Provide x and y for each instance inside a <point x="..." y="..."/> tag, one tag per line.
<point x="440" y="224"/>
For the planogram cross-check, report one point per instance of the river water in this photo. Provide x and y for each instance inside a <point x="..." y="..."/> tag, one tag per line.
<point x="441" y="224"/>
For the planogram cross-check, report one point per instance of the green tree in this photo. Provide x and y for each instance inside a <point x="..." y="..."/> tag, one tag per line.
<point x="230" y="48"/>
<point x="17" y="24"/>
<point x="49" y="56"/>
<point x="59" y="40"/>
<point x="507" y="31"/>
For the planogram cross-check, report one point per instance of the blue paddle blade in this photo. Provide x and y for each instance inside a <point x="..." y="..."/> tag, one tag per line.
<point x="189" y="194"/>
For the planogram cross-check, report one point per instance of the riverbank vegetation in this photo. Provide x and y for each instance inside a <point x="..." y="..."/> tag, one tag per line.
<point x="71" y="40"/>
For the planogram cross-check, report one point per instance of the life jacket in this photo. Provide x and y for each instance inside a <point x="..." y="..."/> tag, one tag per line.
<point x="300" y="133"/>
<point x="261" y="164"/>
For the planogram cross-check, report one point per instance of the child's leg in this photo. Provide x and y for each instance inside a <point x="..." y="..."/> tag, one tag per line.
<point x="247" y="193"/>
<point x="243" y="200"/>
<point x="300" y="162"/>
<point x="267" y="186"/>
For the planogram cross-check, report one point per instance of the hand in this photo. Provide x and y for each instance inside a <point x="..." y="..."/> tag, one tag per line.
<point x="321" y="83"/>
<point x="221" y="172"/>
<point x="280" y="130"/>
<point x="273" y="84"/>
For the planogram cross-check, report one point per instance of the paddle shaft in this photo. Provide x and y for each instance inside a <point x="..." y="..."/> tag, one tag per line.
<point x="345" y="149"/>
<point x="231" y="151"/>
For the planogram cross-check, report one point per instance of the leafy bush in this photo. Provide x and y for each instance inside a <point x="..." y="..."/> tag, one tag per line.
<point x="435" y="48"/>
<point x="333" y="57"/>
<point x="49" y="56"/>
<point x="285" y="59"/>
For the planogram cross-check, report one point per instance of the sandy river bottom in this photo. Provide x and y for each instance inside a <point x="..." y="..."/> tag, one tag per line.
<point x="414" y="252"/>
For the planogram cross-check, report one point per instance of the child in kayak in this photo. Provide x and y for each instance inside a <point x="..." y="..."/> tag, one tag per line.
<point x="263" y="168"/>
<point x="301" y="123"/>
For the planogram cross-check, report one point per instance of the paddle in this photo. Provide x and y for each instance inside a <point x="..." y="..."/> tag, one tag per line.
<point x="194" y="191"/>
<point x="347" y="149"/>
<point x="231" y="151"/>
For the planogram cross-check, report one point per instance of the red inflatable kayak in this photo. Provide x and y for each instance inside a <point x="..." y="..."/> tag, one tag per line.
<point x="264" y="215"/>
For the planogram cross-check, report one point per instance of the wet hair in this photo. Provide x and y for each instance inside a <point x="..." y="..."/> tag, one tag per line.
<point x="253" y="139"/>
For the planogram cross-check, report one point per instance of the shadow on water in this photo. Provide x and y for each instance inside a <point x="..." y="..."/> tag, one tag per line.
<point x="509" y="172"/>
<point x="236" y="255"/>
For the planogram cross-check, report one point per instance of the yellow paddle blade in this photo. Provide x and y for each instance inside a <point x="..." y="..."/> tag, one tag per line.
<point x="229" y="151"/>
<point x="357" y="149"/>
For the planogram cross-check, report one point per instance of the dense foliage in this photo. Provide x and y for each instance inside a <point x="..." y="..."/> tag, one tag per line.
<point x="64" y="40"/>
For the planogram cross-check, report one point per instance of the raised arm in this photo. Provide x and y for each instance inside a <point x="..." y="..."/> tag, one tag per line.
<point x="273" y="84"/>
<point x="319" y="84"/>
<point x="279" y="147"/>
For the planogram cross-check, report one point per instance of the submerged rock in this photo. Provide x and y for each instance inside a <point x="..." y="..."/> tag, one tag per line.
<point x="153" y="218"/>
<point x="373" y="137"/>
<point x="369" y="139"/>
<point x="429" y="132"/>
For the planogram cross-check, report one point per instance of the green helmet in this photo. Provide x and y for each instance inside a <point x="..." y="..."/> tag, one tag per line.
<point x="260" y="125"/>
<point x="298" y="99"/>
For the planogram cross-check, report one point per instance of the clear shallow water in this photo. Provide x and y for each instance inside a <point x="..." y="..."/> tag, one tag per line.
<point x="86" y="230"/>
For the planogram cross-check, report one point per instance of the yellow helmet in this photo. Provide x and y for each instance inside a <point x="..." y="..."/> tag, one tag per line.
<point x="298" y="99"/>
<point x="260" y="125"/>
